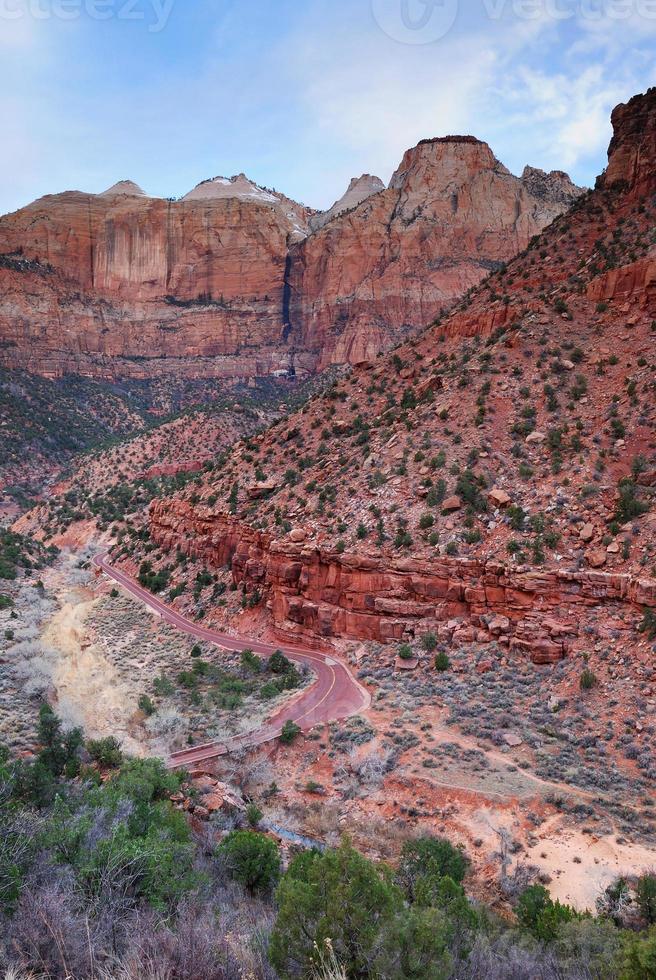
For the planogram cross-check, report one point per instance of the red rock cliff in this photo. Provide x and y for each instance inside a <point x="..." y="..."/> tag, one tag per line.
<point x="120" y="284"/>
<point x="632" y="150"/>
<point x="451" y="214"/>
<point x="134" y="285"/>
<point x="314" y="593"/>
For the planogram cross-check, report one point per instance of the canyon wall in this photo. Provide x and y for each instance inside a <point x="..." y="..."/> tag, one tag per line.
<point x="315" y="594"/>
<point x="452" y="214"/>
<point x="632" y="150"/>
<point x="135" y="286"/>
<point x="230" y="281"/>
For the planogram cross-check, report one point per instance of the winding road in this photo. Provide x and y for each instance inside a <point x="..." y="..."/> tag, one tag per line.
<point x="334" y="696"/>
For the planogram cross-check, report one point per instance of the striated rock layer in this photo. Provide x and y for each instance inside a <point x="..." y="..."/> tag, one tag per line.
<point x="451" y="215"/>
<point x="314" y="593"/>
<point x="415" y="494"/>
<point x="227" y="283"/>
<point x="128" y="285"/>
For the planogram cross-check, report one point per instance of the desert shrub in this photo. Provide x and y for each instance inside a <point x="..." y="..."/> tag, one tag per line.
<point x="588" y="680"/>
<point x="106" y="752"/>
<point x="338" y="896"/>
<point x="540" y="915"/>
<point x="646" y="898"/>
<point x="638" y="960"/>
<point x="429" y="642"/>
<point x="251" y="859"/>
<point x="648" y="625"/>
<point x="251" y="661"/>
<point x="290" y="732"/>
<point x="629" y="505"/>
<point x="430" y="857"/>
<point x="442" y="662"/>
<point x="146" y="705"/>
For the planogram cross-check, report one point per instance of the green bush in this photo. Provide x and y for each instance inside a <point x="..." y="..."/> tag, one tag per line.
<point x="251" y="661"/>
<point x="442" y="662"/>
<point x="646" y="898"/>
<point x="629" y="505"/>
<point x="338" y="896"/>
<point x="434" y="857"/>
<point x="279" y="663"/>
<point x="146" y="705"/>
<point x="543" y="917"/>
<point x="253" y="815"/>
<point x="588" y="680"/>
<point x="252" y="859"/>
<point x="638" y="961"/>
<point x="106" y="752"/>
<point x="290" y="732"/>
<point x="648" y="625"/>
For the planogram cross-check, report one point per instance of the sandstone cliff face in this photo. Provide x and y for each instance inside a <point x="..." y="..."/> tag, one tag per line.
<point x="122" y="284"/>
<point x="226" y="283"/>
<point x="632" y="150"/>
<point x="314" y="593"/>
<point x="451" y="214"/>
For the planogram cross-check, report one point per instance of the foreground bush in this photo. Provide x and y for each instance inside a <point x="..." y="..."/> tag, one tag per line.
<point x="103" y="879"/>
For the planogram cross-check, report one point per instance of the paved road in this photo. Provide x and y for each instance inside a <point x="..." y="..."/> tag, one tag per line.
<point x="335" y="694"/>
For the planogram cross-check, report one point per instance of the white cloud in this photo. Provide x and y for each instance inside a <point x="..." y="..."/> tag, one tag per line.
<point x="329" y="97"/>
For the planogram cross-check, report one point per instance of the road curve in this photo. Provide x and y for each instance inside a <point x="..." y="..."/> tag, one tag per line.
<point x="334" y="695"/>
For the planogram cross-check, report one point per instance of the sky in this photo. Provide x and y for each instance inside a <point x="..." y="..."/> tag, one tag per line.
<point x="302" y="95"/>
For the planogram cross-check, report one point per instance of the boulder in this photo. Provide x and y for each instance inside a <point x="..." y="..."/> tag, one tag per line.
<point x="499" y="497"/>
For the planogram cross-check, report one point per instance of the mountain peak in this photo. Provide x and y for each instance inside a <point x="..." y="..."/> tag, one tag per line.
<point x="632" y="151"/>
<point x="358" y="191"/>
<point x="124" y="187"/>
<point x="555" y="186"/>
<point x="223" y="188"/>
<point x="452" y="159"/>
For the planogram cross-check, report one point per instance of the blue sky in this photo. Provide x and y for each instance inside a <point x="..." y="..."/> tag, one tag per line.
<point x="304" y="95"/>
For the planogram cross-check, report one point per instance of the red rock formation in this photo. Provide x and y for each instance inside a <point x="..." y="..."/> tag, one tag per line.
<point x="216" y="285"/>
<point x="634" y="283"/>
<point x="554" y="409"/>
<point x="452" y="213"/>
<point x="134" y="286"/>
<point x="317" y="593"/>
<point x="632" y="150"/>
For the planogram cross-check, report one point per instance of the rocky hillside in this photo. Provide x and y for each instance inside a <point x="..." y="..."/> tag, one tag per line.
<point x="492" y="478"/>
<point x="226" y="282"/>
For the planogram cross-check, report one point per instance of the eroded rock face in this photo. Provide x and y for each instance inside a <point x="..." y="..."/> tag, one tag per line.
<point x="359" y="190"/>
<point x="227" y="283"/>
<point x="313" y="593"/>
<point x="120" y="284"/>
<point x="451" y="214"/>
<point x="633" y="148"/>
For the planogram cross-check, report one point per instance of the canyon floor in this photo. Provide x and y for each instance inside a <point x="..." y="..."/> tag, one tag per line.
<point x="533" y="791"/>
